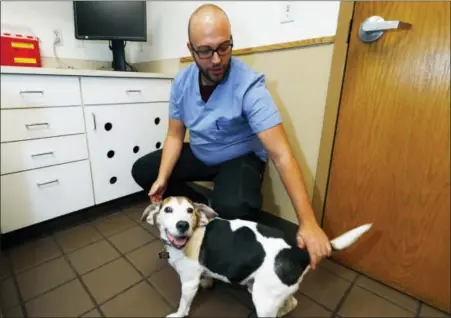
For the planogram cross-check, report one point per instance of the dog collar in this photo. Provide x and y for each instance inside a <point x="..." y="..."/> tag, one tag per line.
<point x="164" y="254"/>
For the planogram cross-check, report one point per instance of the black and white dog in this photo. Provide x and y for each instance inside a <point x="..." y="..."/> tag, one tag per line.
<point x="202" y="247"/>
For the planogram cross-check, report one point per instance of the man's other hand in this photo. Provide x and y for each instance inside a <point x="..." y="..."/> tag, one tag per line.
<point x="157" y="190"/>
<point x="312" y="237"/>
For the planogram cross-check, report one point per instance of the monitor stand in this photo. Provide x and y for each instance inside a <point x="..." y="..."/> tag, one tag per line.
<point x="118" y="48"/>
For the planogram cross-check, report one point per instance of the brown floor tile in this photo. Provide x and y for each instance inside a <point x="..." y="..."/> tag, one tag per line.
<point x="146" y="258"/>
<point x="76" y="237"/>
<point x="130" y="239"/>
<point x="69" y="300"/>
<point x="338" y="269"/>
<point x="92" y="313"/>
<point x="429" y="312"/>
<point x="325" y="287"/>
<point x="135" y="210"/>
<point x="308" y="308"/>
<point x="135" y="215"/>
<point x="388" y="293"/>
<point x="239" y="292"/>
<point x="44" y="277"/>
<point x="15" y="312"/>
<point x="4" y="268"/>
<point x="9" y="295"/>
<point x="214" y="303"/>
<point x="33" y="253"/>
<point x="167" y="283"/>
<point x="111" y="279"/>
<point x="92" y="256"/>
<point x="363" y="303"/>
<point x="113" y="223"/>
<point x="139" y="301"/>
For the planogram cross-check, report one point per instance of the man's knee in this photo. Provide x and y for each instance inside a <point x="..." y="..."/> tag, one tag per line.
<point x="145" y="169"/>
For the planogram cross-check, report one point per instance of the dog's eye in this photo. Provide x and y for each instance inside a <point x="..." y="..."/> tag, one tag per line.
<point x="168" y="209"/>
<point x="190" y="210"/>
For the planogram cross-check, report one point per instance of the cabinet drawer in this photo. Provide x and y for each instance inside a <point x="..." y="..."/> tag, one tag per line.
<point x="23" y="124"/>
<point x="31" y="154"/>
<point x="96" y="90"/>
<point x="25" y="91"/>
<point x="38" y="195"/>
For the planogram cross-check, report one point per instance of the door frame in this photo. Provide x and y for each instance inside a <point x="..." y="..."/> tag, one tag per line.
<point x="332" y="107"/>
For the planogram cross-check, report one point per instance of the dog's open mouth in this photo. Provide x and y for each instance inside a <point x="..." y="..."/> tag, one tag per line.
<point x="177" y="241"/>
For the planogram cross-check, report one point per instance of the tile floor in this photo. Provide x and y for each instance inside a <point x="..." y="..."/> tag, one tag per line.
<point x="108" y="267"/>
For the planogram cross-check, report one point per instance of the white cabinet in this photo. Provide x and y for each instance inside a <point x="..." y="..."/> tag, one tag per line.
<point x="38" y="195"/>
<point x="69" y="138"/>
<point x="117" y="136"/>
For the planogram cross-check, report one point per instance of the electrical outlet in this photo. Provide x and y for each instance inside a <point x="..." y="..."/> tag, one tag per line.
<point x="287" y="15"/>
<point x="58" y="37"/>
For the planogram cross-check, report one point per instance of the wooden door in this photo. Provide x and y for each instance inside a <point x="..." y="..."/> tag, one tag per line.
<point x="391" y="157"/>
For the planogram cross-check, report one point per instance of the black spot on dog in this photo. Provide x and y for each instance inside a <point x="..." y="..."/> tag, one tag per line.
<point x="270" y="232"/>
<point x="233" y="254"/>
<point x="290" y="263"/>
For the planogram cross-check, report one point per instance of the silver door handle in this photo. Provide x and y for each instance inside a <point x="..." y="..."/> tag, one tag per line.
<point x="374" y="27"/>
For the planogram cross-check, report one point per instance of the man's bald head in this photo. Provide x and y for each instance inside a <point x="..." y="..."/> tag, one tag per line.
<point x="208" y="19"/>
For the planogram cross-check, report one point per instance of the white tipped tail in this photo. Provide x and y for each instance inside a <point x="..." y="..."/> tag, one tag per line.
<point x="347" y="239"/>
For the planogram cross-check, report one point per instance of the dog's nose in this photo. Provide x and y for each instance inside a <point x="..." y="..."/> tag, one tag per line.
<point x="182" y="226"/>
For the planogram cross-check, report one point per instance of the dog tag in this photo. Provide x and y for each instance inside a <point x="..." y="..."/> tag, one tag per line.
<point x="163" y="255"/>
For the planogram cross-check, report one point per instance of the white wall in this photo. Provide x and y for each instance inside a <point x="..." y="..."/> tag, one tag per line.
<point x="254" y="23"/>
<point x="41" y="17"/>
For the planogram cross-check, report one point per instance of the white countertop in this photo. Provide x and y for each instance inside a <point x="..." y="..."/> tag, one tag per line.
<point x="79" y="72"/>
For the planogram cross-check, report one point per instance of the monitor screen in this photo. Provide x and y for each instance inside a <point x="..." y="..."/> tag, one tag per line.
<point x="110" y="20"/>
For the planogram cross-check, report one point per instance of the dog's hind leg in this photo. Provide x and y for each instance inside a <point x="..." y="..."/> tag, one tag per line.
<point x="266" y="302"/>
<point x="288" y="306"/>
<point x="206" y="282"/>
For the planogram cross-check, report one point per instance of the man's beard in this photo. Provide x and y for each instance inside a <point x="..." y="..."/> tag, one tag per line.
<point x="207" y="76"/>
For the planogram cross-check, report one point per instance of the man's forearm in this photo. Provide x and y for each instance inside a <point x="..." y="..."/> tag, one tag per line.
<point x="171" y="153"/>
<point x="293" y="180"/>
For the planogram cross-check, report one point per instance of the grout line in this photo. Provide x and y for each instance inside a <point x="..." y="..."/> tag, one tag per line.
<point x="16" y="285"/>
<point x="418" y="311"/>
<point x="144" y="278"/>
<point x="387" y="298"/>
<point x="344" y="297"/>
<point x="80" y="280"/>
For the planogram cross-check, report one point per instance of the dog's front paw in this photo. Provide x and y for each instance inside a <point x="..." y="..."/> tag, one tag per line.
<point x="206" y="282"/>
<point x="175" y="314"/>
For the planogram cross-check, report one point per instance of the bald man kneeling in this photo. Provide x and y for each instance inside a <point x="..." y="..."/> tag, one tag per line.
<point x="235" y="127"/>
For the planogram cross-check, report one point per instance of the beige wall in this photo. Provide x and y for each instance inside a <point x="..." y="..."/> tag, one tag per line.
<point x="301" y="98"/>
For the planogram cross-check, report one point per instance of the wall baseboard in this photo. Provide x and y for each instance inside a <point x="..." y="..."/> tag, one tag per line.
<point x="21" y="236"/>
<point x="274" y="47"/>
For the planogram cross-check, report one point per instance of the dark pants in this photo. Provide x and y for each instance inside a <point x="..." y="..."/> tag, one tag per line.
<point x="237" y="183"/>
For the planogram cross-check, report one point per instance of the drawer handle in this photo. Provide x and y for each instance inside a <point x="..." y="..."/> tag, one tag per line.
<point x="42" y="154"/>
<point x="133" y="91"/>
<point x="36" y="125"/>
<point x="48" y="183"/>
<point x="94" y="121"/>
<point x="31" y="92"/>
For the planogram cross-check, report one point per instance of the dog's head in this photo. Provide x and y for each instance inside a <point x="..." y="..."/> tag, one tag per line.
<point x="177" y="218"/>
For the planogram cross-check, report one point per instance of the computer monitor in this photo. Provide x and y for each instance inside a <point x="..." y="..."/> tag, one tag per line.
<point x="115" y="21"/>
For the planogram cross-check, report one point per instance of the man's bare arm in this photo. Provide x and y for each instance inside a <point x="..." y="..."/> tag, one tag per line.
<point x="276" y="143"/>
<point x="172" y="148"/>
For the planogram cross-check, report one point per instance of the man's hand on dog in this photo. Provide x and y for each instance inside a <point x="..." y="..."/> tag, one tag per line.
<point x="312" y="237"/>
<point x="157" y="190"/>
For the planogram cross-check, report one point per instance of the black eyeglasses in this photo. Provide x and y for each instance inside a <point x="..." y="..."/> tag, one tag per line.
<point x="206" y="52"/>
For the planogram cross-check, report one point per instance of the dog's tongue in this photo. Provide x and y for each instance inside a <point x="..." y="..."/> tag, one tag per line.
<point x="176" y="241"/>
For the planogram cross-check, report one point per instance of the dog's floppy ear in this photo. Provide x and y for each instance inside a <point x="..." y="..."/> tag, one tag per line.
<point x="150" y="213"/>
<point x="206" y="213"/>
